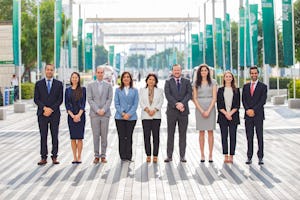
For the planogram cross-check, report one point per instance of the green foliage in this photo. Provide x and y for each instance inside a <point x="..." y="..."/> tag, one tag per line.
<point x="6" y="10"/>
<point x="291" y="89"/>
<point x="101" y="55"/>
<point x="1" y="99"/>
<point x="297" y="29"/>
<point x="234" y="44"/>
<point x="165" y="59"/>
<point x="135" y="61"/>
<point x="283" y="82"/>
<point x="27" y="90"/>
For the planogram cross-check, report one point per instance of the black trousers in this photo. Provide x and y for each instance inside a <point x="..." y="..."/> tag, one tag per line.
<point x="172" y="120"/>
<point x="231" y="129"/>
<point x="125" y="130"/>
<point x="44" y="123"/>
<point x="151" y="126"/>
<point x="250" y="124"/>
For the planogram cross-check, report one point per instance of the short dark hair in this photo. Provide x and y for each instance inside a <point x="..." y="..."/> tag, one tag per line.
<point x="154" y="76"/>
<point x="254" y="67"/>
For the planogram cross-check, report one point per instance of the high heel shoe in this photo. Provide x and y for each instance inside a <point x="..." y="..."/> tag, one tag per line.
<point x="148" y="159"/>
<point x="154" y="159"/>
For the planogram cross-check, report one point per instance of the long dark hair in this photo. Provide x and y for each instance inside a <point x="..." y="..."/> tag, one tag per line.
<point x="233" y="86"/>
<point x="154" y="76"/>
<point x="78" y="90"/>
<point x="122" y="76"/>
<point x="199" y="77"/>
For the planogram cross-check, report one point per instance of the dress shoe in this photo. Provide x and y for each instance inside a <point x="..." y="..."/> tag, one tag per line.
<point x="260" y="161"/>
<point x="183" y="160"/>
<point x="103" y="160"/>
<point x="42" y="162"/>
<point x="249" y="161"/>
<point x="210" y="161"/>
<point x="154" y="159"/>
<point x="54" y="160"/>
<point x="168" y="160"/>
<point x="202" y="160"/>
<point x="96" y="161"/>
<point x="74" y="162"/>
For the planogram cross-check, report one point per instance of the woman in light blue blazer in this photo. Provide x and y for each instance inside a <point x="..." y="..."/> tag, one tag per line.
<point x="126" y="103"/>
<point x="151" y="100"/>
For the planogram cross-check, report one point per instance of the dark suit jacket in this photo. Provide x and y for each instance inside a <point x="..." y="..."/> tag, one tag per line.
<point x="255" y="102"/>
<point x="235" y="104"/>
<point x="173" y="96"/>
<point x="80" y="104"/>
<point x="52" y="100"/>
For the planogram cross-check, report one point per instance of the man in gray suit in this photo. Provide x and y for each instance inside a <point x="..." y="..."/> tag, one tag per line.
<point x="99" y="95"/>
<point x="178" y="92"/>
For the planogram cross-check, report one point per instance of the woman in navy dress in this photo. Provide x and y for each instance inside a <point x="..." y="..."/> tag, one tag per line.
<point x="75" y="97"/>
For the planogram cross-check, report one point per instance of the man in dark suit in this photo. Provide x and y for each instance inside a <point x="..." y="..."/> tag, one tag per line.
<point x="178" y="92"/>
<point x="254" y="98"/>
<point x="48" y="96"/>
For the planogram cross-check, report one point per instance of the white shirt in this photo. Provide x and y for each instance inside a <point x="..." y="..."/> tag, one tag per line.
<point x="14" y="82"/>
<point x="126" y="90"/>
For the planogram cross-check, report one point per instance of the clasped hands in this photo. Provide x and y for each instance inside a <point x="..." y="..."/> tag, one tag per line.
<point x="47" y="111"/>
<point x="250" y="112"/>
<point x="150" y="112"/>
<point x="101" y="112"/>
<point x="180" y="106"/>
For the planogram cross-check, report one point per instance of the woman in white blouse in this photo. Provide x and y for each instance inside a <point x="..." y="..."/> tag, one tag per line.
<point x="151" y="100"/>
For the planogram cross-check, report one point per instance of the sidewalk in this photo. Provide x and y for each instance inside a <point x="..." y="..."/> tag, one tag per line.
<point x="22" y="178"/>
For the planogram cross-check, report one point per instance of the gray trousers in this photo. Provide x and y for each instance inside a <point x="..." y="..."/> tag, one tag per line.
<point x="100" y="130"/>
<point x="172" y="120"/>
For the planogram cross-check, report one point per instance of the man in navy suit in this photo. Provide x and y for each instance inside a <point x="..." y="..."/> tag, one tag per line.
<point x="254" y="98"/>
<point x="48" y="96"/>
<point x="178" y="92"/>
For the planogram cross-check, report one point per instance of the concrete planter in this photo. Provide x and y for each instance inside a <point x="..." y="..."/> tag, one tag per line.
<point x="19" y="107"/>
<point x="294" y="103"/>
<point x="278" y="100"/>
<point x="2" y="113"/>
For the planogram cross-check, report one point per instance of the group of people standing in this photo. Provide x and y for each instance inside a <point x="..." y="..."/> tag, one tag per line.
<point x="178" y="91"/>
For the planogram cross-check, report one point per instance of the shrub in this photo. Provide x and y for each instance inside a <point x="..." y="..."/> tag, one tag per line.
<point x="291" y="89"/>
<point x="283" y="82"/>
<point x="27" y="90"/>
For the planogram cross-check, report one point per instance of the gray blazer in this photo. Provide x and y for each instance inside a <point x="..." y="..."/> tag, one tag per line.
<point x="173" y="96"/>
<point x="99" y="99"/>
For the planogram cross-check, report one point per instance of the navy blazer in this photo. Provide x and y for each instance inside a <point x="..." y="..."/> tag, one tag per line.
<point x="255" y="102"/>
<point x="52" y="100"/>
<point x="173" y="96"/>
<point x="235" y="104"/>
<point x="68" y="102"/>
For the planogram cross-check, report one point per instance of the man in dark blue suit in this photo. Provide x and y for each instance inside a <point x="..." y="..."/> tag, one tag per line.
<point x="48" y="96"/>
<point x="254" y="98"/>
<point x="178" y="92"/>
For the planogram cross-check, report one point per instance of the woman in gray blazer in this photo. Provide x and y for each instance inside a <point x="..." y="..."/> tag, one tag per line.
<point x="151" y="100"/>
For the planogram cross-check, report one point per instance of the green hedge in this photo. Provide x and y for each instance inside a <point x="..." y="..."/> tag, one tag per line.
<point x="283" y="82"/>
<point x="291" y="89"/>
<point x="27" y="90"/>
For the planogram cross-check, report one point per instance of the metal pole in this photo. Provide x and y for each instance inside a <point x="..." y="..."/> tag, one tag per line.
<point x="293" y="29"/>
<point x="20" y="52"/>
<point x="276" y="47"/>
<point x="38" y="41"/>
<point x="204" y="32"/>
<point x="225" y="38"/>
<point x="214" y="35"/>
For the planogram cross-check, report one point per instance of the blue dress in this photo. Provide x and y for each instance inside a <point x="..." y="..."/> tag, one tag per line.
<point x="76" y="128"/>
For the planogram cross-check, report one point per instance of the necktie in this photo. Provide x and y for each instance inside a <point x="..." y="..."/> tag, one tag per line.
<point x="178" y="85"/>
<point x="48" y="86"/>
<point x="252" y="88"/>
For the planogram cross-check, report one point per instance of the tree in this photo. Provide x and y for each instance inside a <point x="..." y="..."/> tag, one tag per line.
<point x="135" y="61"/>
<point x="6" y="10"/>
<point x="234" y="44"/>
<point x="101" y="55"/>
<point x="297" y="29"/>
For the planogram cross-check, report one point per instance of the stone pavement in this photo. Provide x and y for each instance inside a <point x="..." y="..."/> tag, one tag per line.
<point x="22" y="178"/>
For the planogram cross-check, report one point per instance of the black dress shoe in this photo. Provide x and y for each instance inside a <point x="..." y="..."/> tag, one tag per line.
<point x="42" y="162"/>
<point x="183" y="160"/>
<point x="168" y="160"/>
<point x="249" y="161"/>
<point x="260" y="161"/>
<point x="202" y="161"/>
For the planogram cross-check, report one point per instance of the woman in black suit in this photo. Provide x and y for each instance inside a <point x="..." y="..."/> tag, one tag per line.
<point x="228" y="103"/>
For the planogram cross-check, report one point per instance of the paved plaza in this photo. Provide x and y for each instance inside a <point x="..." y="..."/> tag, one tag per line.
<point x="22" y="178"/>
